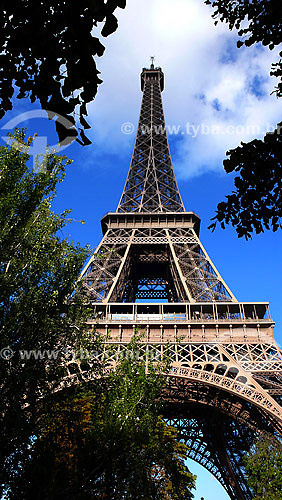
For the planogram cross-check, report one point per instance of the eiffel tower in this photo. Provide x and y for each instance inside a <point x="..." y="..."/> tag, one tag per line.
<point x="151" y="270"/>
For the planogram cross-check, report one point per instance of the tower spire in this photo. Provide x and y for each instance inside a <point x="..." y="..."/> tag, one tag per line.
<point x="151" y="184"/>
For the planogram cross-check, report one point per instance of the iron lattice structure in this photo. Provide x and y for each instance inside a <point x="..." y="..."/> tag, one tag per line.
<point x="151" y="270"/>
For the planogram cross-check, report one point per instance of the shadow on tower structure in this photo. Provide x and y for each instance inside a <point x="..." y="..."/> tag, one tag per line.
<point x="151" y="270"/>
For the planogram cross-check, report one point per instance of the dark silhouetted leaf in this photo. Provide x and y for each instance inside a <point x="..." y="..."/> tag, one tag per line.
<point x="49" y="50"/>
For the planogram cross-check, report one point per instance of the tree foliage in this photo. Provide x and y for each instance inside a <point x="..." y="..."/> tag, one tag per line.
<point x="106" y="440"/>
<point x="38" y="271"/>
<point x="48" y="52"/>
<point x="255" y="21"/>
<point x="264" y="468"/>
<point x="256" y="202"/>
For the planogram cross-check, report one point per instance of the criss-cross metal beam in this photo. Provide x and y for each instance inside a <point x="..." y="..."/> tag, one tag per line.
<point x="151" y="185"/>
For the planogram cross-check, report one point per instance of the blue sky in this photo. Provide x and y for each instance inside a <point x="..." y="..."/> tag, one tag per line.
<point x="223" y="92"/>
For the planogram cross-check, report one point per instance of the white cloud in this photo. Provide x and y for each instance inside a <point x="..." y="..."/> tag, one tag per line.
<point x="207" y="81"/>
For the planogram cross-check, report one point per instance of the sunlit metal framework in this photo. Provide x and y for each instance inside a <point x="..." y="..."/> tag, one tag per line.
<point x="151" y="272"/>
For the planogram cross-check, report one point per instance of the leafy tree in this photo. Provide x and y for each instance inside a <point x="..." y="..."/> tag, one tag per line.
<point x="107" y="440"/>
<point x="255" y="203"/>
<point x="264" y="469"/>
<point x="38" y="271"/>
<point x="255" y="21"/>
<point x="48" y="52"/>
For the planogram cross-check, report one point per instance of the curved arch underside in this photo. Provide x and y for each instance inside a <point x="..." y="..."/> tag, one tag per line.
<point x="218" y="394"/>
<point x="218" y="444"/>
<point x="219" y="425"/>
<point x="214" y="365"/>
<point x="219" y="429"/>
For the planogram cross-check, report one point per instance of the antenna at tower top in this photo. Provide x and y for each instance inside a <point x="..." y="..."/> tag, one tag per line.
<point x="152" y="62"/>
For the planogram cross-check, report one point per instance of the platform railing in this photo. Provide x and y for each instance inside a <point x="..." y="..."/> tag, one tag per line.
<point x="183" y="312"/>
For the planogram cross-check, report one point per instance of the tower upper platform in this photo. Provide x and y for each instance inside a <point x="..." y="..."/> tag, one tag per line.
<point x="152" y="74"/>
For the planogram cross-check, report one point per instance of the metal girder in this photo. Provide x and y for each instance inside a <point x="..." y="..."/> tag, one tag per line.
<point x="187" y="267"/>
<point x="211" y="442"/>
